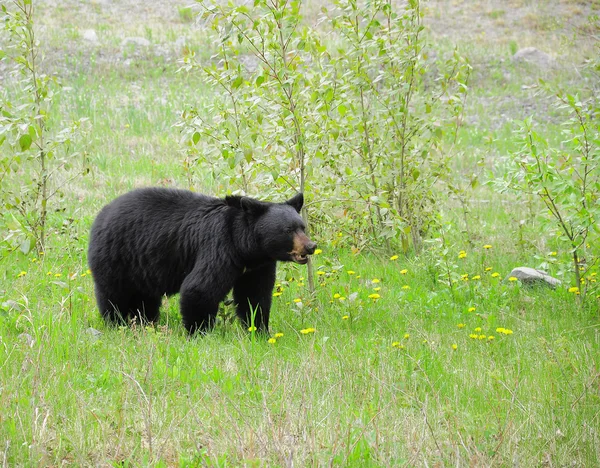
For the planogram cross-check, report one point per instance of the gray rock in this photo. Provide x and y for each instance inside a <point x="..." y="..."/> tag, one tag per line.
<point x="94" y="334"/>
<point x="532" y="276"/>
<point x="27" y="339"/>
<point x="90" y="36"/>
<point x="534" y="56"/>
<point x="135" y="41"/>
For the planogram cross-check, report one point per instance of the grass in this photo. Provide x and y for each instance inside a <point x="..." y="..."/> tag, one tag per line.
<point x="378" y="382"/>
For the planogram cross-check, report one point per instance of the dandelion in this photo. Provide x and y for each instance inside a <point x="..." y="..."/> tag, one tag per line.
<point x="461" y="325"/>
<point x="278" y="335"/>
<point x="33" y="260"/>
<point x="397" y="344"/>
<point x="375" y="280"/>
<point x="403" y="272"/>
<point x="351" y="272"/>
<point x="476" y="277"/>
<point x="252" y="329"/>
<point x="487" y="246"/>
<point x="345" y="317"/>
<point x="465" y="277"/>
<point x="339" y="234"/>
<point x="473" y="335"/>
<point x="374" y="296"/>
<point x="508" y="331"/>
<point x="49" y="273"/>
<point x="574" y="289"/>
<point x="306" y="331"/>
<point x="552" y="254"/>
<point x="337" y="296"/>
<point x="512" y="278"/>
<point x="23" y="273"/>
<point x="481" y="337"/>
<point x="471" y="309"/>
<point x="462" y="254"/>
<point x="317" y="252"/>
<point x="491" y="338"/>
<point x="488" y="268"/>
<point x="495" y="274"/>
<point x="342" y="299"/>
<point x="394" y="257"/>
<point x="277" y="294"/>
<point x="406" y="336"/>
<point x="83" y="274"/>
<point x="406" y="287"/>
<point x="272" y="341"/>
<point x="320" y="273"/>
<point x="478" y="329"/>
<point x="454" y="346"/>
<point x="57" y="275"/>
<point x="377" y="289"/>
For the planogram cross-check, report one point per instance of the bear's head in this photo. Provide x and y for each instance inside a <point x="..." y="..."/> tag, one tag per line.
<point x="278" y="227"/>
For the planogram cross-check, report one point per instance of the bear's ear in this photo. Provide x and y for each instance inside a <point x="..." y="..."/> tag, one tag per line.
<point x="296" y="201"/>
<point x="252" y="206"/>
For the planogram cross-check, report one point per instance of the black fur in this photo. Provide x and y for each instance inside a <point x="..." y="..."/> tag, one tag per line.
<point x="153" y="241"/>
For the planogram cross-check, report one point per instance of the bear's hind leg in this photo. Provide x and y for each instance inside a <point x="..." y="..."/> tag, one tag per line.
<point x="145" y="309"/>
<point x="114" y="308"/>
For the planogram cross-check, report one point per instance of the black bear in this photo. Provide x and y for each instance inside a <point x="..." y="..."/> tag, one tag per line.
<point x="156" y="241"/>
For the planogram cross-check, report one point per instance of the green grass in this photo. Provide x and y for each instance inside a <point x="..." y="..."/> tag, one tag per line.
<point x="358" y="391"/>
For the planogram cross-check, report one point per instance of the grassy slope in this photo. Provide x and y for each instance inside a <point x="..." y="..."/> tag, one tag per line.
<point x="342" y="395"/>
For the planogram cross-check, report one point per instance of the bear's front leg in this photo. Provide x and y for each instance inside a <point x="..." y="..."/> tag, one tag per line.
<point x="199" y="303"/>
<point x="252" y="294"/>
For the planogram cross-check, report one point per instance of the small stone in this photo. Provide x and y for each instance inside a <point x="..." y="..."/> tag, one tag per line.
<point x="534" y="56"/>
<point x="27" y="339"/>
<point x="90" y="36"/>
<point x="135" y="41"/>
<point x="532" y="276"/>
<point x="95" y="334"/>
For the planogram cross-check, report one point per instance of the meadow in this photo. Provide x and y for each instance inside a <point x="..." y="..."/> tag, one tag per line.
<point x="385" y="364"/>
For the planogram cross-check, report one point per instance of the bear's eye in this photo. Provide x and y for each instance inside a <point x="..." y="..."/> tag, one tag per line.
<point x="289" y="230"/>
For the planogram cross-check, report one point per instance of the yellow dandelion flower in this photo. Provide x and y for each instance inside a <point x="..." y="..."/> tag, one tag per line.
<point x="500" y="330"/>
<point x="488" y="268"/>
<point x="345" y="317"/>
<point x="461" y="325"/>
<point x="374" y="296"/>
<point x="403" y="272"/>
<point x="23" y="273"/>
<point x="306" y="331"/>
<point x="377" y="289"/>
<point x="88" y="272"/>
<point x="297" y="300"/>
<point x="491" y="338"/>
<point x="278" y="335"/>
<point x="462" y="254"/>
<point x="342" y="299"/>
<point x="317" y="252"/>
<point x="454" y="346"/>
<point x="277" y="294"/>
<point x="351" y="272"/>
<point x="574" y="289"/>
<point x="512" y="278"/>
<point x="406" y="286"/>
<point x="394" y="257"/>
<point x="49" y="273"/>
<point x="552" y="254"/>
<point x="406" y="336"/>
<point x="339" y="234"/>
<point x="471" y="309"/>
<point x="508" y="331"/>
<point x="478" y="329"/>
<point x="465" y="277"/>
<point x="320" y="273"/>
<point x="495" y="274"/>
<point x="473" y="335"/>
<point x="487" y="246"/>
<point x="397" y="344"/>
<point x="57" y="275"/>
<point x="482" y="337"/>
<point x="272" y="341"/>
<point x="33" y="260"/>
<point x="337" y="296"/>
<point x="251" y="329"/>
<point x="476" y="277"/>
<point x="375" y="280"/>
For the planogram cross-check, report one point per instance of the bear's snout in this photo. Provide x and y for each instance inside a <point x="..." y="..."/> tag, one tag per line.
<point x="303" y="247"/>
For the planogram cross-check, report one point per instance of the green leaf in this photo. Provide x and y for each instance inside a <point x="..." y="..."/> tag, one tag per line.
<point x="196" y="138"/>
<point x="237" y="82"/>
<point x="260" y="79"/>
<point x="25" y="142"/>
